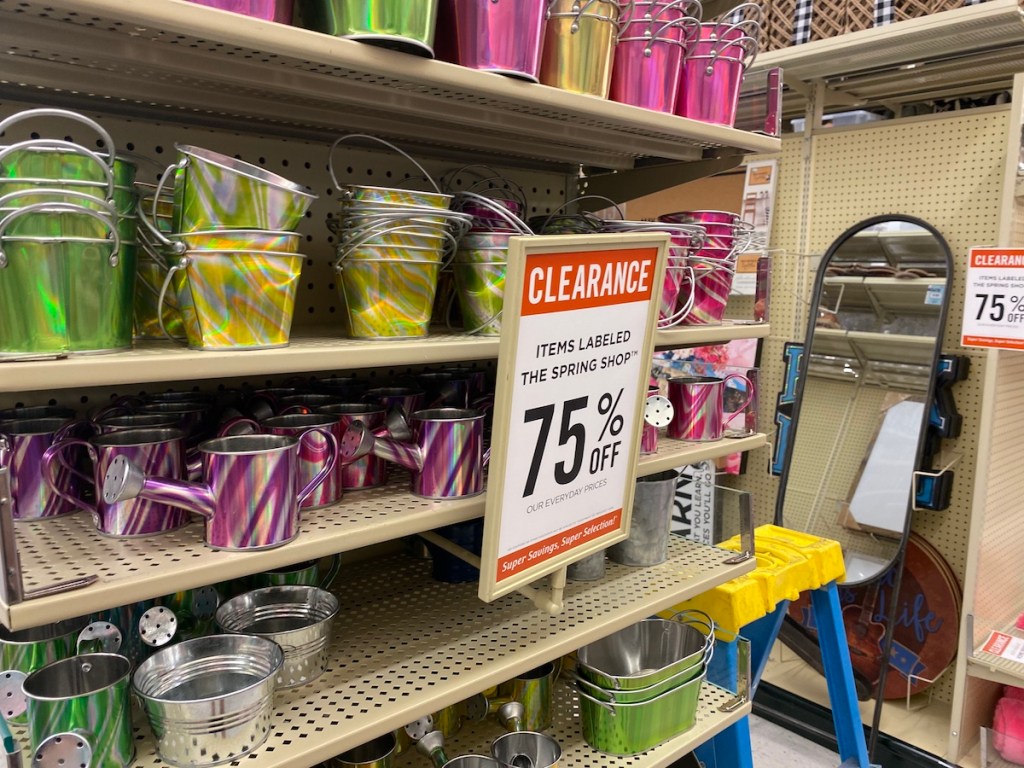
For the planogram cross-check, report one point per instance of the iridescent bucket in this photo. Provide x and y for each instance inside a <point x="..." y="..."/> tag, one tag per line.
<point x="235" y="300"/>
<point x="268" y="10"/>
<point x="501" y="36"/>
<point x="403" y="25"/>
<point x="579" y="46"/>
<point x="481" y="291"/>
<point x="713" y="72"/>
<point x="388" y="298"/>
<point x="708" y="284"/>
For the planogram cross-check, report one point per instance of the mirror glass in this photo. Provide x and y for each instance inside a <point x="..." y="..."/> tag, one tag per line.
<point x="874" y="334"/>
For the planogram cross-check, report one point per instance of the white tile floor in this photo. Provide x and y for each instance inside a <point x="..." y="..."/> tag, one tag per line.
<point x="775" y="747"/>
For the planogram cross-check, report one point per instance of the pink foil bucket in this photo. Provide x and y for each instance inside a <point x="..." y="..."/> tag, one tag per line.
<point x="713" y="73"/>
<point x="699" y="403"/>
<point x="648" y="63"/>
<point x="269" y="10"/>
<point x="708" y="287"/>
<point x="502" y="36"/>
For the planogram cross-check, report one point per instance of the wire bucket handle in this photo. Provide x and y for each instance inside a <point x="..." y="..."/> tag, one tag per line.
<point x="17" y="213"/>
<point x="388" y="144"/>
<point x="517" y="224"/>
<point x="181" y="265"/>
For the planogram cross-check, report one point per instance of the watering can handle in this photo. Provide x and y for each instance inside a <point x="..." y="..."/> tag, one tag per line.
<point x="158" y="192"/>
<point x="59" y="208"/>
<point x="229" y="427"/>
<point x="750" y="396"/>
<point x="54" y="454"/>
<point x="332" y="459"/>
<point x="68" y="146"/>
<point x="182" y="264"/>
<point x="332" y="572"/>
<point x="388" y="144"/>
<point x="149" y="225"/>
<point x="29" y="114"/>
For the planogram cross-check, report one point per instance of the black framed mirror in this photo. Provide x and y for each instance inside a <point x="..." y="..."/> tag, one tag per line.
<point x="878" y="314"/>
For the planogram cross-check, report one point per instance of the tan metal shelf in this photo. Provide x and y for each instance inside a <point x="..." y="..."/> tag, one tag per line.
<point x="971" y="49"/>
<point x="989" y="666"/>
<point x="475" y="738"/>
<point x="405" y="645"/>
<point x="185" y="61"/>
<point x="139" y="569"/>
<point x="874" y="347"/>
<point x="164" y="361"/>
<point x="895" y="294"/>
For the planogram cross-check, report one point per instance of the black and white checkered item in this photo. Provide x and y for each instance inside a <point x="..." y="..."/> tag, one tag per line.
<point x="883" y="12"/>
<point x="802" y="21"/>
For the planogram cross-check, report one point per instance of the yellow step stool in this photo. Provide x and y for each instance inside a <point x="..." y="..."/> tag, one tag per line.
<point x="788" y="563"/>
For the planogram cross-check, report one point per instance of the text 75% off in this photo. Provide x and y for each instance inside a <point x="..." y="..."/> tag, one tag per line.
<point x="571" y="428"/>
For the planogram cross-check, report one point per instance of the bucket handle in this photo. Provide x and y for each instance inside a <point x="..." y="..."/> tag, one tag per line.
<point x="68" y="146"/>
<point x="520" y="226"/>
<point x="180" y="165"/>
<point x="373" y="232"/>
<point x="451" y="305"/>
<point x="59" y="208"/>
<point x="681" y="314"/>
<point x="67" y="114"/>
<point x="54" y="455"/>
<point x="562" y="207"/>
<point x="512" y="188"/>
<point x="182" y="264"/>
<point x="82" y="196"/>
<point x="388" y="144"/>
<point x="332" y="459"/>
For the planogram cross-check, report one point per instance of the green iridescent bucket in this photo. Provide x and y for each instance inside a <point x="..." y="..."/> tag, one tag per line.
<point x="481" y="292"/>
<point x="388" y="298"/>
<point x="398" y="24"/>
<point x="61" y="295"/>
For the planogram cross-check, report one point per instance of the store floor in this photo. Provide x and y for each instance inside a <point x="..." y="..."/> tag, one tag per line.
<point x="775" y="747"/>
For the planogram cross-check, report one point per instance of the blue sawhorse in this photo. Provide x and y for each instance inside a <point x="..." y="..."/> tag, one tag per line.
<point x="731" y="748"/>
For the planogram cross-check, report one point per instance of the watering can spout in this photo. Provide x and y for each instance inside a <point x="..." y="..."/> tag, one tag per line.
<point x="359" y="441"/>
<point x="125" y="480"/>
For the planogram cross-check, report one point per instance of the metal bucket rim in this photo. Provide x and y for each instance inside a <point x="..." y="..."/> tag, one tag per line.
<point x="230" y="613"/>
<point x="611" y="705"/>
<point x="48" y="421"/>
<point x="389" y="189"/>
<point x="447" y="415"/>
<point x="283" y="420"/>
<point x="132" y="436"/>
<point x="242" y="168"/>
<point x="213" y="445"/>
<point x="120" y="669"/>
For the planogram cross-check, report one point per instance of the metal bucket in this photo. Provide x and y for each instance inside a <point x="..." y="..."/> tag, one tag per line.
<point x="404" y="25"/>
<point x="298" y="618"/>
<point x="387" y="298"/>
<point x="629" y="729"/>
<point x="60" y="295"/>
<point x="650" y="692"/>
<point x="526" y="748"/>
<point x="268" y="10"/>
<point x="236" y="300"/>
<point x="579" y="46"/>
<point x="709" y="283"/>
<point x="350" y="193"/>
<point x="646" y="653"/>
<point x="481" y="292"/>
<point x="502" y="36"/>
<point x="150" y="319"/>
<point x="647" y="73"/>
<point x="649" y="524"/>
<point x="215" y="191"/>
<point x="713" y="73"/>
<point x="378" y="753"/>
<point x="27" y="650"/>
<point x="699" y="406"/>
<point x="209" y="700"/>
<point x="79" y="703"/>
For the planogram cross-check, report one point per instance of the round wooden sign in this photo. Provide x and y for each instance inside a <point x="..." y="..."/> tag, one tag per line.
<point x="927" y="621"/>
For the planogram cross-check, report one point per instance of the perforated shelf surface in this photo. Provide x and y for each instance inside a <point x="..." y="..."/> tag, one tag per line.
<point x="973" y="49"/>
<point x="405" y="645"/>
<point x="475" y="738"/>
<point x="179" y="59"/>
<point x="165" y="361"/>
<point x="149" y="567"/>
<point x="990" y="666"/>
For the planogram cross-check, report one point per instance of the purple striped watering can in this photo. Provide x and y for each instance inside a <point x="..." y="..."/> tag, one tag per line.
<point x="22" y="445"/>
<point x="446" y="455"/>
<point x="249" y="495"/>
<point x="159" y="452"/>
<point x="699" y="406"/>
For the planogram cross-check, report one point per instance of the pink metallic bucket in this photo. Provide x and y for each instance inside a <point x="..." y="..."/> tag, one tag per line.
<point x="269" y="10"/>
<point x="159" y="452"/>
<point x="502" y="36"/>
<point x="699" y="405"/>
<point x="249" y="495"/>
<point x="713" y="73"/>
<point x="708" y="287"/>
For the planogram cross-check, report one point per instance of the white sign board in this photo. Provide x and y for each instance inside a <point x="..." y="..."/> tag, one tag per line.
<point x="577" y="340"/>
<point x="994" y="302"/>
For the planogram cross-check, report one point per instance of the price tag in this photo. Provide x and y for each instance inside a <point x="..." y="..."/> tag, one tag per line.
<point x="994" y="304"/>
<point x="576" y="347"/>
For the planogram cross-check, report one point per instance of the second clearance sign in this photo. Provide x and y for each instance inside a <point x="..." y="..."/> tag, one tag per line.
<point x="577" y="340"/>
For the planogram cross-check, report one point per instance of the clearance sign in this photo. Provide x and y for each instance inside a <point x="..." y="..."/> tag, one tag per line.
<point x="994" y="300"/>
<point x="576" y="346"/>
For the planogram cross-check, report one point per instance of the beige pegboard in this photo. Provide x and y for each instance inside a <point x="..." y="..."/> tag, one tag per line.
<point x="944" y="169"/>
